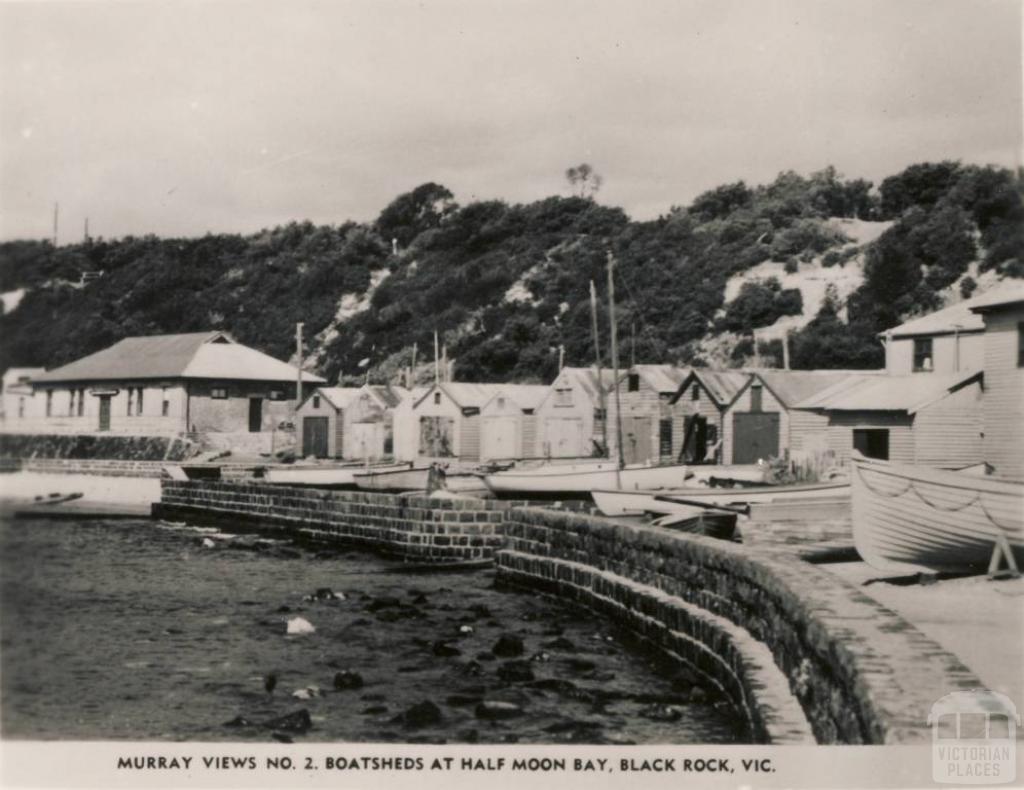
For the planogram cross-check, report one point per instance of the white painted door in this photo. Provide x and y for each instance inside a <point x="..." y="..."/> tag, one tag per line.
<point x="563" y="438"/>
<point x="500" y="438"/>
<point x="367" y="440"/>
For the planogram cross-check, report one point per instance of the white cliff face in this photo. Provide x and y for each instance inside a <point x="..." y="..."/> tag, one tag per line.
<point x="349" y="306"/>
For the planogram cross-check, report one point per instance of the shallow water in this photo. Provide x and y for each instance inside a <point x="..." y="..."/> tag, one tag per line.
<point x="135" y="630"/>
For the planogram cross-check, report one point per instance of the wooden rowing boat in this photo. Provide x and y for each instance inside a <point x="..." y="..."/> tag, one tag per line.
<point x="933" y="518"/>
<point x="323" y="475"/>
<point x="393" y="479"/>
<point x="718" y="524"/>
<point x="584" y="478"/>
<point x="613" y="502"/>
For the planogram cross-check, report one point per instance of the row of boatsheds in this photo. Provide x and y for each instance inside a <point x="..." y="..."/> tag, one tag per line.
<point x="949" y="377"/>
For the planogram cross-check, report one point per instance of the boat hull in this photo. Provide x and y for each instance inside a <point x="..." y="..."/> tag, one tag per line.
<point x="625" y="503"/>
<point x="584" y="478"/>
<point x="931" y="518"/>
<point x="335" y="477"/>
<point x="714" y="525"/>
<point x="405" y="479"/>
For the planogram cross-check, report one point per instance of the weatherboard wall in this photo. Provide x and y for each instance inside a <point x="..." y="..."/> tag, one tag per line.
<point x="685" y="406"/>
<point x="1004" y="393"/>
<point x="899" y="353"/>
<point x="948" y="432"/>
<point x="742" y="404"/>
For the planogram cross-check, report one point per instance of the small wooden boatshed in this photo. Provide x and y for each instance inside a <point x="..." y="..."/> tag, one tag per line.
<point x="645" y="393"/>
<point x="320" y="422"/>
<point x="1003" y="410"/>
<point x="570" y="423"/>
<point x="698" y="412"/>
<point x="406" y="428"/>
<point x="448" y="420"/>
<point x="509" y="422"/>
<point x="369" y="422"/>
<point x="933" y="420"/>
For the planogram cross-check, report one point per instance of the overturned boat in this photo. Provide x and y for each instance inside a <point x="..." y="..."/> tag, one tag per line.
<point x="935" y="519"/>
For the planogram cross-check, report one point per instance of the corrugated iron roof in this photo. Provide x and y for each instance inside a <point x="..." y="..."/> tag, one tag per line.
<point x="588" y="379"/>
<point x="338" y="397"/>
<point x="661" y="378"/>
<point x="963" y="316"/>
<point x="793" y="386"/>
<point x="908" y="393"/>
<point x="21" y="375"/>
<point x="208" y="355"/>
<point x="390" y="395"/>
<point x="724" y="386"/>
<point x="464" y="394"/>
<point x="525" y="396"/>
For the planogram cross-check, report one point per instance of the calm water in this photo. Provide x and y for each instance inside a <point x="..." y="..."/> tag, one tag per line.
<point x="135" y="630"/>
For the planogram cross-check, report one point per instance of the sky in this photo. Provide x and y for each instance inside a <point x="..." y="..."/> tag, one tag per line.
<point x="182" y="118"/>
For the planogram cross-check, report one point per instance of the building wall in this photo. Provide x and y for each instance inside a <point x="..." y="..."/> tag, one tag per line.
<point x="231" y="414"/>
<point x="644" y="402"/>
<point x="685" y="406"/>
<point x="769" y="403"/>
<point x="64" y="419"/>
<point x="582" y="408"/>
<point x="899" y="353"/>
<point x="446" y="408"/>
<point x="365" y="408"/>
<point x="335" y="421"/>
<point x="808" y="432"/>
<point x="1003" y="412"/>
<point x="901" y="437"/>
<point x="506" y="409"/>
<point x="948" y="433"/>
<point x="529" y="434"/>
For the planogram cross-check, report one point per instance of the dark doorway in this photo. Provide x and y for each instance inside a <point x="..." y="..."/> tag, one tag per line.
<point x="756" y="437"/>
<point x="872" y="442"/>
<point x="104" y="412"/>
<point x="695" y="439"/>
<point x="255" y="415"/>
<point x="314" y="437"/>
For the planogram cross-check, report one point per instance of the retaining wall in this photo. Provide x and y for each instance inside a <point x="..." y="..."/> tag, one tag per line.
<point x="417" y="529"/>
<point x="803" y="655"/>
<point x="95" y="446"/>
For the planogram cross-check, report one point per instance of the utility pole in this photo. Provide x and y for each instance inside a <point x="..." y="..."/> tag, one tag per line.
<point x="86" y="233"/>
<point x="437" y="361"/>
<point x="615" y="365"/>
<point x="56" y="218"/>
<point x="298" y="351"/>
<point x="632" y="343"/>
<point x="561" y="357"/>
<point x="412" y="372"/>
<point x="598" y="363"/>
<point x="785" y="351"/>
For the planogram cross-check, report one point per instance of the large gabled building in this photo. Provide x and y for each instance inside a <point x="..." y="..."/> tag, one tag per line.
<point x="202" y="383"/>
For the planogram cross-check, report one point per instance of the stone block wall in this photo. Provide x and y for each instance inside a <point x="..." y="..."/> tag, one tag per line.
<point x="96" y="445"/>
<point x="758" y="623"/>
<point x="416" y="529"/>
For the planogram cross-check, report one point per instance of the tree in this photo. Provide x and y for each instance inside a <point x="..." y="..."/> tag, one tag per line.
<point x="584" y="180"/>
<point x="408" y="215"/>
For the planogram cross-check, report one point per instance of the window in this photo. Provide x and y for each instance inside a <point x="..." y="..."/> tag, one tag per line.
<point x="501" y="403"/>
<point x="81" y="402"/>
<point x="563" y="397"/>
<point x="872" y="442"/>
<point x="1020" y="345"/>
<point x="71" y="403"/>
<point x="437" y="398"/>
<point x="316" y="401"/>
<point x="923" y="360"/>
<point x="633" y="382"/>
<point x="21" y="407"/>
<point x="165" y="405"/>
<point x="665" y="437"/>
<point x="49" y="403"/>
<point x="219" y="393"/>
<point x="131" y="396"/>
<point x="695" y="392"/>
<point x="755" y="397"/>
<point x="277" y="394"/>
<point x="138" y="401"/>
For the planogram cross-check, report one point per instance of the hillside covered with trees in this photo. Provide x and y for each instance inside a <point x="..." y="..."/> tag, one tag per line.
<point x="508" y="285"/>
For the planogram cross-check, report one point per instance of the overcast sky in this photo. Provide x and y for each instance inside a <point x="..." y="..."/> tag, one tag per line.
<point x="186" y="117"/>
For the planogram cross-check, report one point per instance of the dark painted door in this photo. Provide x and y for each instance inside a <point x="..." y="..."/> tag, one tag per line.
<point x="314" y="437"/>
<point x="104" y="412"/>
<point x="755" y="437"/>
<point x="695" y="439"/>
<point x="255" y="415"/>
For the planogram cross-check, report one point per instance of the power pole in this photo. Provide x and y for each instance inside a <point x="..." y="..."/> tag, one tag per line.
<point x="56" y="218"/>
<point x="561" y="357"/>
<point x="598" y="362"/>
<point x="86" y="234"/>
<point x="298" y="351"/>
<point x="615" y="362"/>
<point x="437" y="361"/>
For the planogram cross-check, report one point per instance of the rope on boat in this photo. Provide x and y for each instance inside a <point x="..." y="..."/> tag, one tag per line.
<point x="911" y="486"/>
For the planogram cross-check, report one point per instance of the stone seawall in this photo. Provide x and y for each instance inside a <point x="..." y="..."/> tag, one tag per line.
<point x="417" y="529"/>
<point x="802" y="655"/>
<point x="96" y="446"/>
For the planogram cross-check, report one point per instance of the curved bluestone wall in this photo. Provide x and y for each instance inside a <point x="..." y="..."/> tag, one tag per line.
<point x="763" y="626"/>
<point x="804" y="655"/>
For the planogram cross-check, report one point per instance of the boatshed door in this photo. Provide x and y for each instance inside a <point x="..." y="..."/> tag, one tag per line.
<point x="755" y="437"/>
<point x="636" y="439"/>
<point x="499" y="439"/>
<point x="367" y="440"/>
<point x="314" y="437"/>
<point x="563" y="438"/>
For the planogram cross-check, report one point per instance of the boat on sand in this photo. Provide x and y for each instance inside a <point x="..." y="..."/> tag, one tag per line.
<point x="554" y="479"/>
<point x="935" y="519"/>
<point x="613" y="502"/>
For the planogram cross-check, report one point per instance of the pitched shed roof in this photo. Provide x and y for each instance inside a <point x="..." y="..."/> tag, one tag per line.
<point x="199" y="355"/>
<point x="661" y="378"/>
<point x="588" y="379"/>
<point x="724" y="386"/>
<point x="793" y="386"/>
<point x="338" y="397"/>
<point x="963" y="316"/>
<point x="388" y="394"/>
<point x="909" y="393"/>
<point x="464" y="394"/>
<point x="526" y="396"/>
<point x="21" y="375"/>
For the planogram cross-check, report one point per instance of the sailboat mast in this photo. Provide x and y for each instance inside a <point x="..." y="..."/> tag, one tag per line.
<point x="600" y="374"/>
<point x="615" y="357"/>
